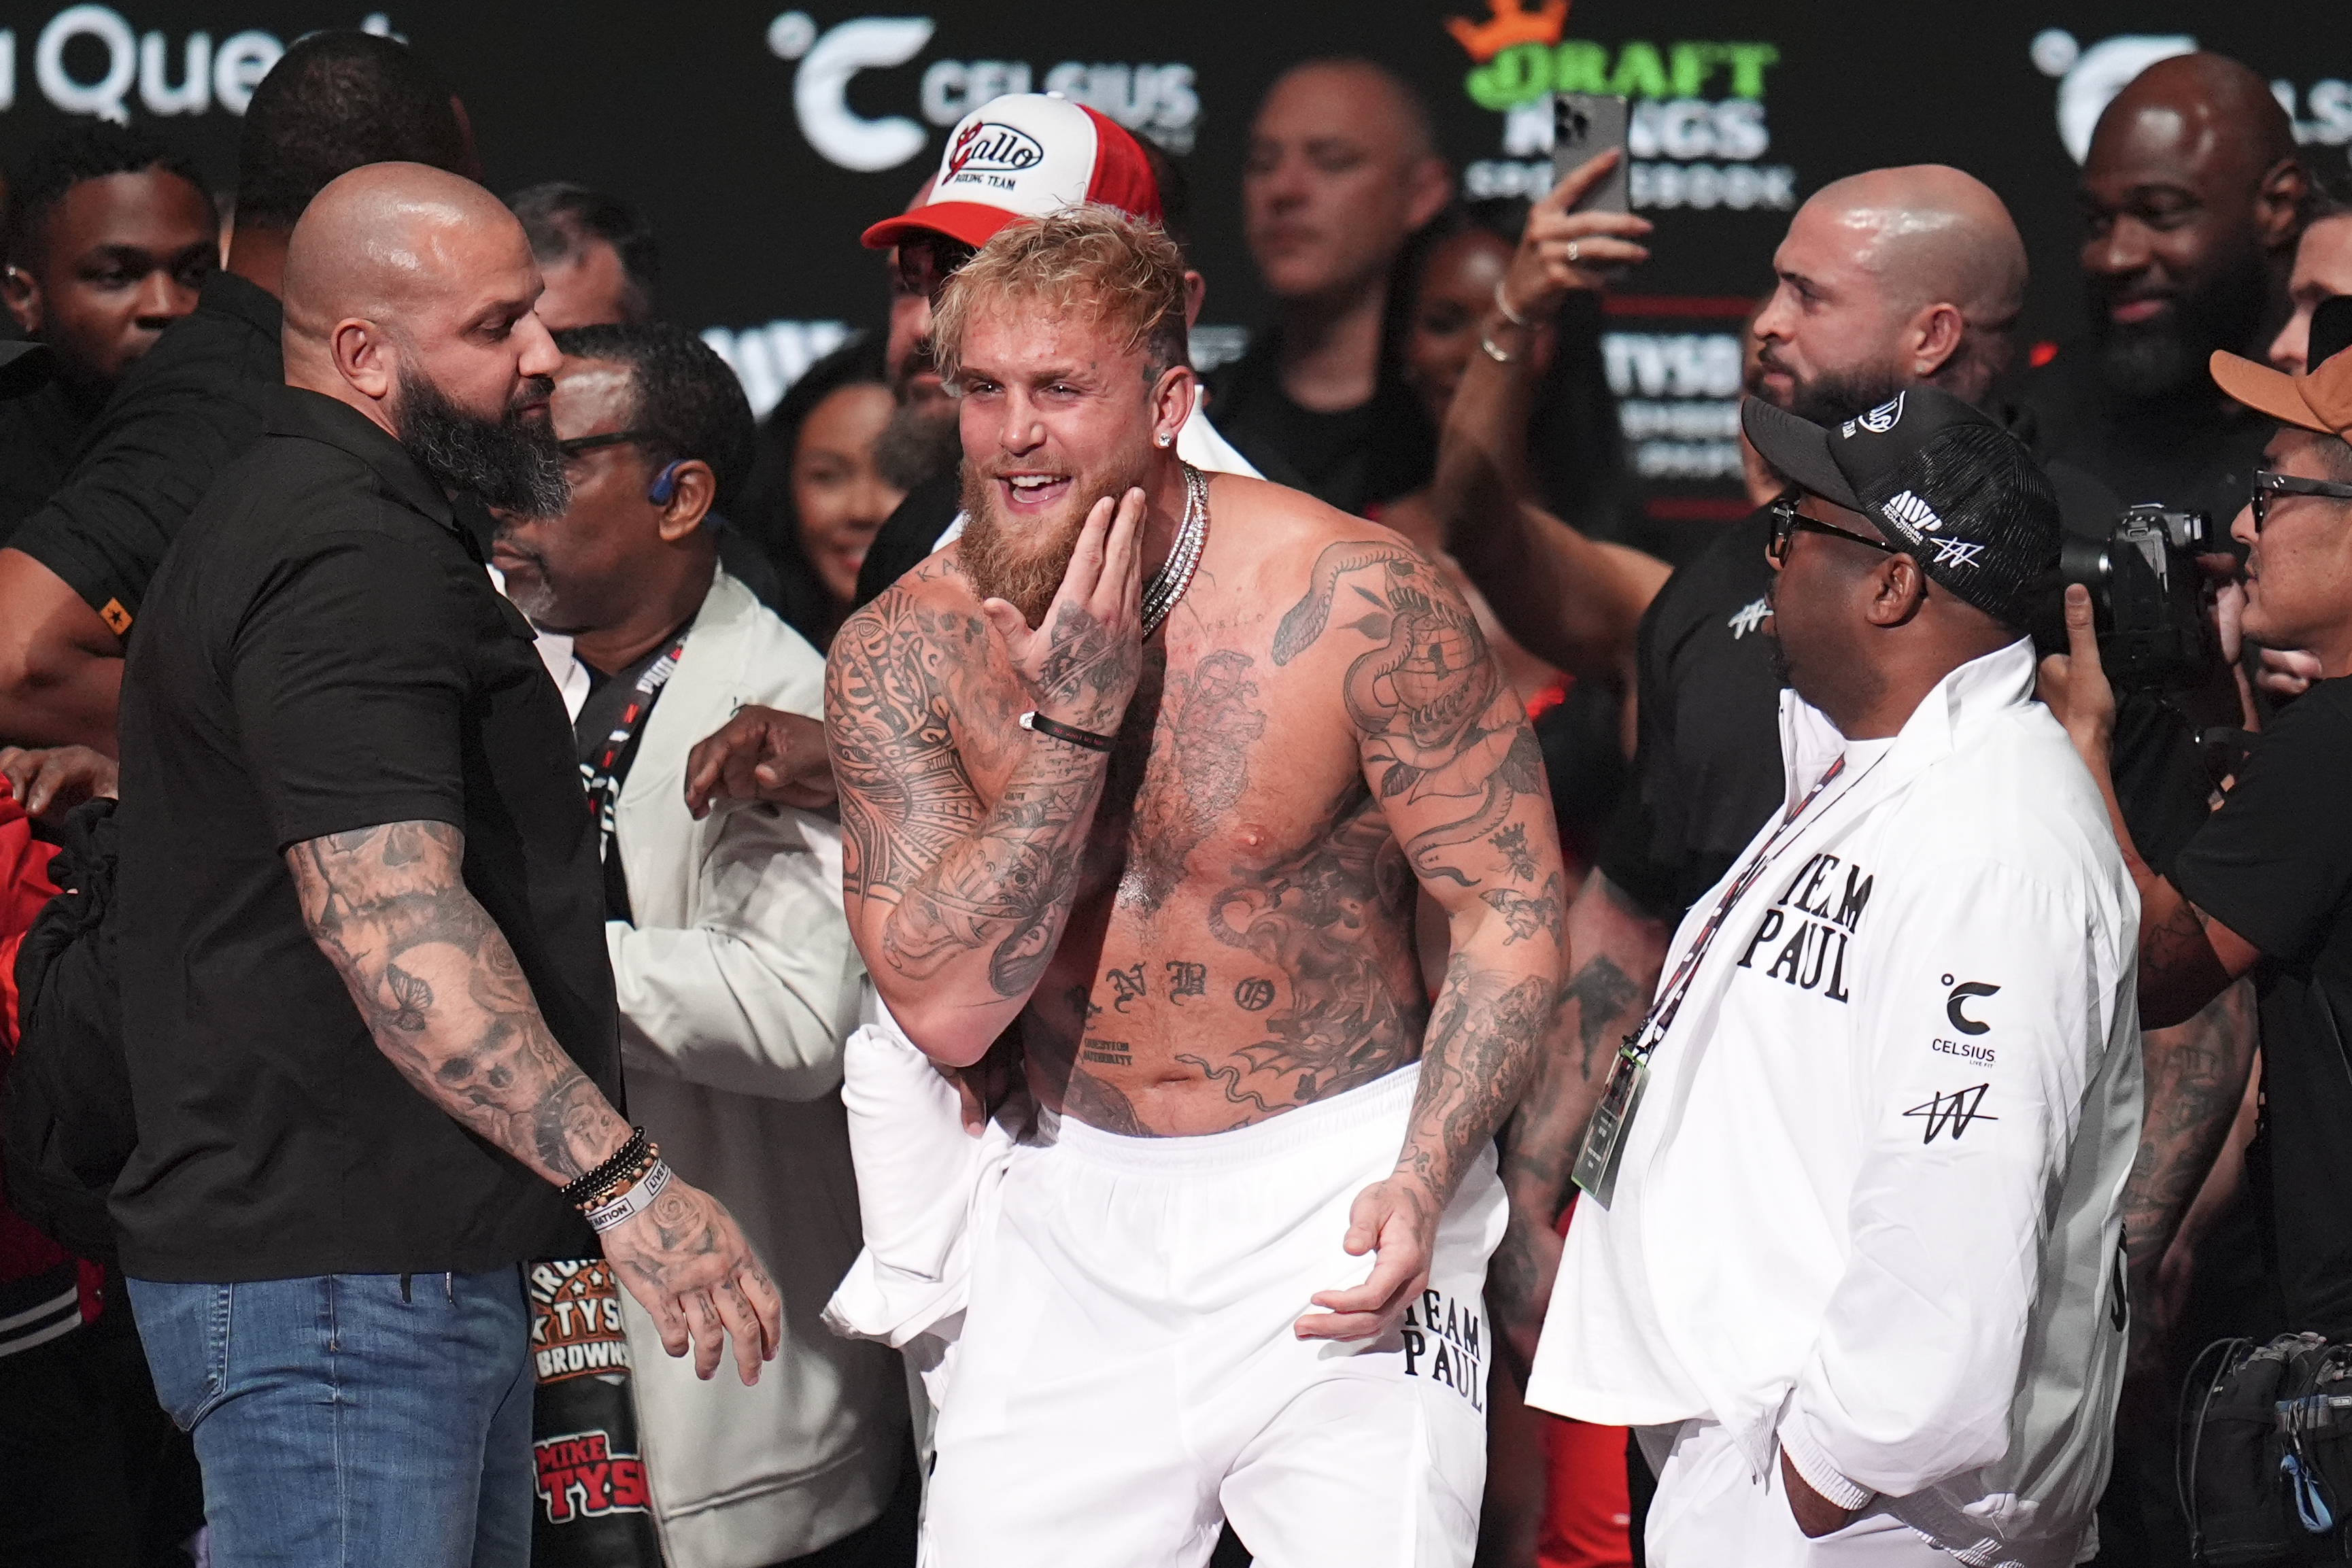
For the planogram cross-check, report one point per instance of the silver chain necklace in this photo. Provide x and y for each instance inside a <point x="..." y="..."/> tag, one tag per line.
<point x="1168" y="584"/>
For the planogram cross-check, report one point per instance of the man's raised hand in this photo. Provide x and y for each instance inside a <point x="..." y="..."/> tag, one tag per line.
<point x="1082" y="664"/>
<point x="762" y="753"/>
<point x="2073" y="684"/>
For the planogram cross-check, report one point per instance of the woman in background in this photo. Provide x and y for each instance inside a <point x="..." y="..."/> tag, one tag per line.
<point x="816" y="498"/>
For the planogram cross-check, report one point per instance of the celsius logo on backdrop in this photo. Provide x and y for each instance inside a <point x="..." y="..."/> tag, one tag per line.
<point x="1697" y="135"/>
<point x="1154" y="101"/>
<point x="2089" y="78"/>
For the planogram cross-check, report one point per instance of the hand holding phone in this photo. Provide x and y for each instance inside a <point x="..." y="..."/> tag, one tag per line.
<point x="1575" y="239"/>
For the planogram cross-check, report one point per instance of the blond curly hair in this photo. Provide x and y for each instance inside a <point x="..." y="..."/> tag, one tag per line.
<point x="1121" y="272"/>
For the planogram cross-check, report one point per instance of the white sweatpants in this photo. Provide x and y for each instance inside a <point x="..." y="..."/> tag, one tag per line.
<point x="1712" y="1510"/>
<point x="1127" y="1374"/>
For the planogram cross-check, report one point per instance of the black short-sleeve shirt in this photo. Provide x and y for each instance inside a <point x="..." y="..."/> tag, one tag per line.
<point x="321" y="652"/>
<point x="190" y="404"/>
<point x="39" y="433"/>
<point x="2274" y="865"/>
<point x="1706" y="760"/>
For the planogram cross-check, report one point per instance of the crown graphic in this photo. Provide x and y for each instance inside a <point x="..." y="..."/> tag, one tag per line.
<point x="1513" y="23"/>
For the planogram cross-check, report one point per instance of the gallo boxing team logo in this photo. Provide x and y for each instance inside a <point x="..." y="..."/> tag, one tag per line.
<point x="990" y="148"/>
<point x="579" y="1476"/>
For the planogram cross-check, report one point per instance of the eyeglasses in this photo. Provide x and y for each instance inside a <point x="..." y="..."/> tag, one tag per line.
<point x="2268" y="483"/>
<point x="1787" y="521"/>
<point x="579" y="444"/>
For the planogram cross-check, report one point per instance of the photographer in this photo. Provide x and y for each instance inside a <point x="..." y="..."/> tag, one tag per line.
<point x="2265" y="879"/>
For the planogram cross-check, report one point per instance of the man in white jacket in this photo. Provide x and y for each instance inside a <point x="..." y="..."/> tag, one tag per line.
<point x="733" y="963"/>
<point x="1858" y="1274"/>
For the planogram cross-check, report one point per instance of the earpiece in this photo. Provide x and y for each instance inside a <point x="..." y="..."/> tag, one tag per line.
<point x="664" y="484"/>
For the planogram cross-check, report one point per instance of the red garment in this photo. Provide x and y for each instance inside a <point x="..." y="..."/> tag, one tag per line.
<point x="1587" y="1512"/>
<point x="25" y="886"/>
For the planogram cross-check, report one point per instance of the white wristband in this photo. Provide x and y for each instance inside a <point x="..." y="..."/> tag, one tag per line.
<point x="634" y="1201"/>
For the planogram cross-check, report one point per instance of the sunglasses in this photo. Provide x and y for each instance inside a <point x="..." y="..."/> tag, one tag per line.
<point x="1788" y="523"/>
<point x="2268" y="484"/>
<point x="579" y="444"/>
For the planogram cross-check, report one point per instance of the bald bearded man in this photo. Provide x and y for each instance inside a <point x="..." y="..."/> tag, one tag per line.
<point x="1888" y="279"/>
<point x="366" y="1005"/>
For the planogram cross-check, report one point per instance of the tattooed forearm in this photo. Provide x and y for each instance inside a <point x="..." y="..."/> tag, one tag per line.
<point x="2196" y="1078"/>
<point x="437" y="985"/>
<point x="1482" y="1043"/>
<point x="1604" y="1007"/>
<point x="971" y="894"/>
<point x="2179" y="970"/>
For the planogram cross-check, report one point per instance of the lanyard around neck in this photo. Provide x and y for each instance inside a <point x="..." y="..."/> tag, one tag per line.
<point x="602" y="776"/>
<point x="1643" y="1041"/>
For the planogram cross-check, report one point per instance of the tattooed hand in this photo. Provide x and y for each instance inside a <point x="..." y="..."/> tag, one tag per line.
<point x="1396" y="1220"/>
<point x="1082" y="664"/>
<point x="685" y="1261"/>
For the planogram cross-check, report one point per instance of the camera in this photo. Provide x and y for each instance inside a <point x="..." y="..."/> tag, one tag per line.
<point x="2152" y="602"/>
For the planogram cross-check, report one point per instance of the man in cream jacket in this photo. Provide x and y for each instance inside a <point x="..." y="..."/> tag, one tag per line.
<point x="736" y="977"/>
<point x="1852" y="1254"/>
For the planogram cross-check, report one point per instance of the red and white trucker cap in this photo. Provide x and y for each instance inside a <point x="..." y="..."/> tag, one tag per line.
<point x="1025" y="155"/>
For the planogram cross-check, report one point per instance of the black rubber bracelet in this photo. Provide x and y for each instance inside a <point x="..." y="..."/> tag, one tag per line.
<point x="590" y="1183"/>
<point x="1033" y="720"/>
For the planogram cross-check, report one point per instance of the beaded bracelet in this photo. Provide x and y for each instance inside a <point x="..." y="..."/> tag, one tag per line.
<point x="628" y="1161"/>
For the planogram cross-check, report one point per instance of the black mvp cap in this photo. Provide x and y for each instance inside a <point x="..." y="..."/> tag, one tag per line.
<point x="1943" y="483"/>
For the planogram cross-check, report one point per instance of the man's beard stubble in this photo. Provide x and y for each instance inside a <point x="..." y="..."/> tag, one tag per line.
<point x="1023" y="563"/>
<point x="1834" y="396"/>
<point x="2152" y="360"/>
<point x="919" y="444"/>
<point x="513" y="464"/>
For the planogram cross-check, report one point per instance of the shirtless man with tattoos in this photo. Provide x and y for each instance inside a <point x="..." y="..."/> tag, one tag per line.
<point x="1167" y="867"/>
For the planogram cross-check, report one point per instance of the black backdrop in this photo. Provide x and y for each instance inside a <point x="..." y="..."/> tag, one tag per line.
<point x="730" y="123"/>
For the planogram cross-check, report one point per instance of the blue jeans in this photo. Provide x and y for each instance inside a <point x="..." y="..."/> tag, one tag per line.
<point x="349" y="1420"/>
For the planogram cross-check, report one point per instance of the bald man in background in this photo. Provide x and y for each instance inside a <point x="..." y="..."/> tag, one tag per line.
<point x="2193" y="196"/>
<point x="1343" y="170"/>
<point x="367" y="1009"/>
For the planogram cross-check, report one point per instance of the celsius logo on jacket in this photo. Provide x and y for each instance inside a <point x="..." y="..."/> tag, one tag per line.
<point x="1801" y="939"/>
